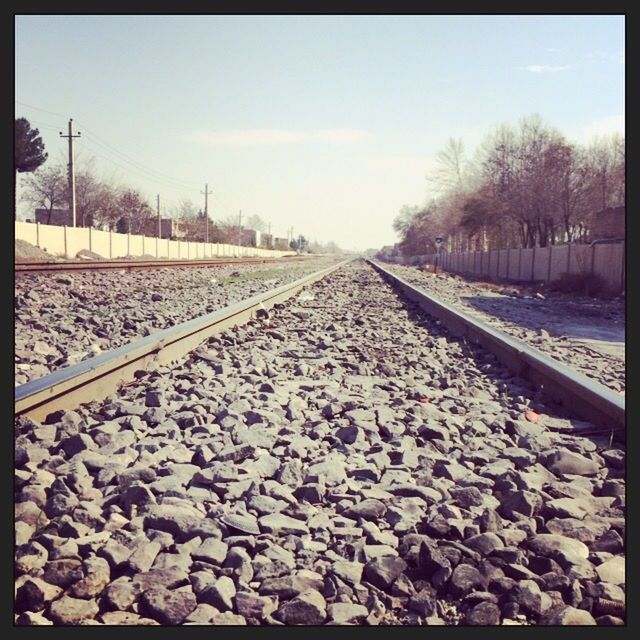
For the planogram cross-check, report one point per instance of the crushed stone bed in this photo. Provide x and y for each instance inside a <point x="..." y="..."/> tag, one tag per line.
<point x="61" y="319"/>
<point x="341" y="461"/>
<point x="555" y="324"/>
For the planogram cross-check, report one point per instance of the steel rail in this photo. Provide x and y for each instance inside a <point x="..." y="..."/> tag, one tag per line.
<point x="23" y="268"/>
<point x="573" y="390"/>
<point x="99" y="376"/>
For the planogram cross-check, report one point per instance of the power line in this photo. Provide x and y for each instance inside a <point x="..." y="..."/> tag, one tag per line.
<point x="99" y="140"/>
<point x="53" y="113"/>
<point x="143" y="171"/>
<point x="129" y="170"/>
<point x="45" y="125"/>
<point x="147" y="175"/>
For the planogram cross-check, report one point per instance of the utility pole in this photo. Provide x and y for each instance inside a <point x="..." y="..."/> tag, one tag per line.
<point x="158" y="210"/>
<point x="206" y="193"/>
<point x="240" y="228"/>
<point x="72" y="175"/>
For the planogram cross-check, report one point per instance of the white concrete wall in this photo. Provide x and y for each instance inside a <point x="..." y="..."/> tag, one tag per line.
<point x="68" y="241"/>
<point x="539" y="263"/>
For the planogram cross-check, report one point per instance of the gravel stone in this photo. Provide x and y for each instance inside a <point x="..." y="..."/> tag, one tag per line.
<point x="165" y="606"/>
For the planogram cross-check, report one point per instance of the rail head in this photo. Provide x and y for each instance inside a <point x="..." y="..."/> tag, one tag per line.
<point x="23" y="268"/>
<point x="575" y="391"/>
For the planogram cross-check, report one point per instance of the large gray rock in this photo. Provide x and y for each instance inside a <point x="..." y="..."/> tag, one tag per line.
<point x="612" y="570"/>
<point x="346" y="612"/>
<point x="282" y="525"/>
<point x="34" y="594"/>
<point x="165" y="606"/>
<point x="369" y="509"/>
<point x="220" y="594"/>
<point x="568" y="616"/>
<point x="382" y="572"/>
<point x="565" y="461"/>
<point x="69" y="610"/>
<point x="307" y="608"/>
<point x="552" y="545"/>
<point x="292" y="585"/>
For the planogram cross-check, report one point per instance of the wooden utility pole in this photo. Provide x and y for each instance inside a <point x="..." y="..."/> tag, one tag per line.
<point x="206" y="193"/>
<point x="71" y="172"/>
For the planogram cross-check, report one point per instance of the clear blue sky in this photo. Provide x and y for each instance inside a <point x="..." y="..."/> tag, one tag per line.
<point x="327" y="124"/>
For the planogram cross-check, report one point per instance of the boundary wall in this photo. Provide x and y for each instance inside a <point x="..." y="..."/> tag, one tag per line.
<point x="537" y="264"/>
<point x="67" y="241"/>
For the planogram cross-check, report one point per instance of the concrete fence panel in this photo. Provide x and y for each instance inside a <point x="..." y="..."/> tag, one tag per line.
<point x="513" y="264"/>
<point x="525" y="265"/>
<point x="541" y="263"/>
<point x="608" y="264"/>
<point x="28" y="232"/>
<point x="559" y="260"/>
<point x="77" y="239"/>
<point x="52" y="240"/>
<point x="100" y="243"/>
<point x="135" y="245"/>
<point x="119" y="245"/>
<point x="503" y="257"/>
<point x="580" y="259"/>
<point x="493" y="264"/>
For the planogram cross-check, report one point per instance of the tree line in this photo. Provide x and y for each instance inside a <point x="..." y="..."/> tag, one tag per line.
<point x="525" y="186"/>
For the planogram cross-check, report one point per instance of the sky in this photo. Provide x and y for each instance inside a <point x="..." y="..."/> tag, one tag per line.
<point x="327" y="124"/>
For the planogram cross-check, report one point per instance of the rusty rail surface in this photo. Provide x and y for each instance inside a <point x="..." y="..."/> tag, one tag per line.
<point x="22" y="268"/>
<point x="573" y="390"/>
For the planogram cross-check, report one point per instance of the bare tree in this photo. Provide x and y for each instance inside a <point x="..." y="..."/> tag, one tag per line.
<point x="257" y="223"/>
<point x="46" y="188"/>
<point x="526" y="186"/>
<point x="451" y="167"/>
<point x="134" y="208"/>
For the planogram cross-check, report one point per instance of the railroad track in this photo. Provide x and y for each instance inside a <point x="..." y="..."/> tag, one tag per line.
<point x="23" y="268"/>
<point x="575" y="391"/>
<point x="103" y="373"/>
<point x="343" y="458"/>
<point x="99" y="376"/>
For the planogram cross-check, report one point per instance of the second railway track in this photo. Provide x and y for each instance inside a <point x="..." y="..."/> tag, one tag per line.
<point x="24" y="268"/>
<point x="339" y="459"/>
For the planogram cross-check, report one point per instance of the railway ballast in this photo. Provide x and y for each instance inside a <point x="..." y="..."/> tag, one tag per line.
<point x="340" y="459"/>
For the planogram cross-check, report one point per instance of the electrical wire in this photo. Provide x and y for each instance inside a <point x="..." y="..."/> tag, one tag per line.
<point x="53" y="113"/>
<point x="153" y="175"/>
<point x="99" y="140"/>
<point x="142" y="170"/>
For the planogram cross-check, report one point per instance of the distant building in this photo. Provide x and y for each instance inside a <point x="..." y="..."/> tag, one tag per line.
<point x="266" y="240"/>
<point x="59" y="217"/>
<point x="608" y="223"/>
<point x="169" y="228"/>
<point x="281" y="244"/>
<point x="250" y="238"/>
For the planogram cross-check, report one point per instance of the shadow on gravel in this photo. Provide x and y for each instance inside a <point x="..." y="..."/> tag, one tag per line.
<point x="557" y="318"/>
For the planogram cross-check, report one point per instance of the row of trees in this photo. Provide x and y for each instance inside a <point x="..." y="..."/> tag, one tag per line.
<point x="526" y="185"/>
<point x="107" y="204"/>
<point x="104" y="203"/>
